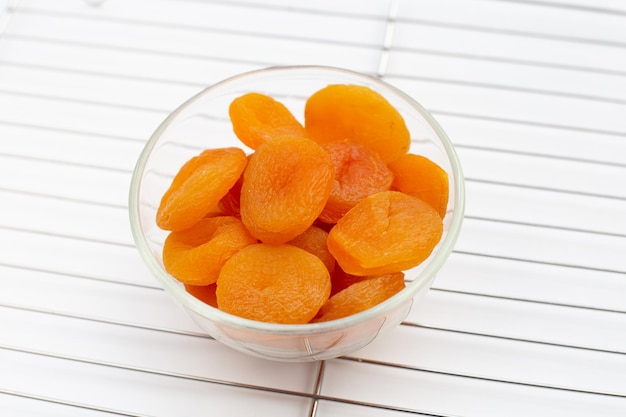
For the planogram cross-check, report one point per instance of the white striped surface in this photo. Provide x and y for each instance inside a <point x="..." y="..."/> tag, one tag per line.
<point x="527" y="318"/>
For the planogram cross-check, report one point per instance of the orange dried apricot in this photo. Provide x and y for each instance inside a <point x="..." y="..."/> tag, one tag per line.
<point x="358" y="114"/>
<point x="198" y="187"/>
<point x="204" y="293"/>
<point x="229" y="204"/>
<point x="340" y="280"/>
<point x="257" y="118"/>
<point x="420" y="177"/>
<point x="285" y="187"/>
<point x="273" y="283"/>
<point x="195" y="255"/>
<point x="313" y="240"/>
<point x="359" y="172"/>
<point x="361" y="296"/>
<point x="387" y="232"/>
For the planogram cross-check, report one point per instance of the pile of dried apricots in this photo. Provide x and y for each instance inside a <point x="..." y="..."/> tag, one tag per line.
<point x="317" y="222"/>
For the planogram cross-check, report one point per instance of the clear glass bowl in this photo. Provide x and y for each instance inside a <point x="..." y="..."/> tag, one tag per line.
<point x="202" y="122"/>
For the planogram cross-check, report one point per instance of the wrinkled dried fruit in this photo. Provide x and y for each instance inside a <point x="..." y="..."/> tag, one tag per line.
<point x="198" y="187"/>
<point x="418" y="176"/>
<point x="313" y="240"/>
<point x="229" y="204"/>
<point x="387" y="232"/>
<point x="195" y="256"/>
<point x="273" y="283"/>
<point x="361" y="296"/>
<point x="357" y="114"/>
<point x="340" y="280"/>
<point x="257" y="118"/>
<point x="359" y="173"/>
<point x="285" y="187"/>
<point x="204" y="293"/>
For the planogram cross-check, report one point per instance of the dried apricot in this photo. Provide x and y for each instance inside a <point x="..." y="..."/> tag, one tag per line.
<point x="340" y="280"/>
<point x="359" y="172"/>
<point x="229" y="204"/>
<point x="420" y="177"/>
<point x="257" y="118"/>
<point x="198" y="187"/>
<point x="313" y="240"/>
<point x="387" y="232"/>
<point x="195" y="255"/>
<point x="285" y="187"/>
<point x="273" y="283"/>
<point x="204" y="293"/>
<point x="361" y="296"/>
<point x="358" y="114"/>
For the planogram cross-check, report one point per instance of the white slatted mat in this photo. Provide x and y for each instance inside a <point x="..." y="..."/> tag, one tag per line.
<point x="528" y="318"/>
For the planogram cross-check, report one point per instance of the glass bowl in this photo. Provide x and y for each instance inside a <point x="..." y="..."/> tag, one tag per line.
<point x="202" y="122"/>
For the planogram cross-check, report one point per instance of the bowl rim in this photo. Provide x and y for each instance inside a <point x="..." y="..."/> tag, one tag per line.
<point x="276" y="329"/>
